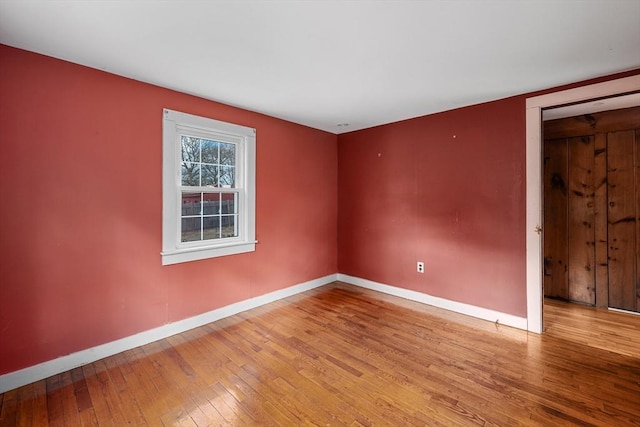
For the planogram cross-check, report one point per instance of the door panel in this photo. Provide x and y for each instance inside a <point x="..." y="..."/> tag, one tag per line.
<point x="556" y="279"/>
<point x="637" y="195"/>
<point x="600" y="208"/>
<point x="581" y="220"/>
<point x="622" y="219"/>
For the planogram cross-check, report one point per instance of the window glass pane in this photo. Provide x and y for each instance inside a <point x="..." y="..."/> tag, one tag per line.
<point x="229" y="228"/>
<point x="208" y="216"/>
<point x="227" y="176"/>
<point x="190" y="149"/>
<point x="211" y="204"/>
<point x="190" y="229"/>
<point x="228" y="204"/>
<point x="190" y="174"/>
<point x="211" y="227"/>
<point x="209" y="151"/>
<point x="191" y="204"/>
<point x="209" y="176"/>
<point x="227" y="154"/>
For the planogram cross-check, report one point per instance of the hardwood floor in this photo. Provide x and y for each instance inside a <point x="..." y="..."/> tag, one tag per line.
<point x="341" y="355"/>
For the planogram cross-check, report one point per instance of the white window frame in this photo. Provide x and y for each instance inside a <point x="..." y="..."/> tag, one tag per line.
<point x="174" y="125"/>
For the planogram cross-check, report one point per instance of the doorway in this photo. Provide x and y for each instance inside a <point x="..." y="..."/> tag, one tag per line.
<point x="533" y="223"/>
<point x="591" y="192"/>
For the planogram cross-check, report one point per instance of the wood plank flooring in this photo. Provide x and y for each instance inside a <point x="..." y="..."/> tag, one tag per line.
<point x="345" y="356"/>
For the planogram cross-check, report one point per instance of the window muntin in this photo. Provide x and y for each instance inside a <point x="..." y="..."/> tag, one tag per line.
<point x="207" y="163"/>
<point x="208" y="188"/>
<point x="208" y="216"/>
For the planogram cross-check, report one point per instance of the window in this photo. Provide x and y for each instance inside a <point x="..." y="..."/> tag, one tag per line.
<point x="208" y="188"/>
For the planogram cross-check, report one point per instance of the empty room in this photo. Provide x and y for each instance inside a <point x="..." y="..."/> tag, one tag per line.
<point x="332" y="213"/>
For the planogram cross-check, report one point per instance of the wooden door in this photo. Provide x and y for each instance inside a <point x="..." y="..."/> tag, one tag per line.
<point x="569" y="219"/>
<point x="555" y="245"/>
<point x="592" y="209"/>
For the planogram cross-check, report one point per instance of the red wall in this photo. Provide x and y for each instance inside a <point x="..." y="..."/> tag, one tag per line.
<point x="80" y="218"/>
<point x="447" y="189"/>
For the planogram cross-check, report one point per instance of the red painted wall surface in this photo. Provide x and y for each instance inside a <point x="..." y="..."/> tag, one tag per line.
<point x="80" y="212"/>
<point x="447" y="189"/>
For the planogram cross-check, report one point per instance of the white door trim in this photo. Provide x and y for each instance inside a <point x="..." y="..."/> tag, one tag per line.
<point x="534" y="108"/>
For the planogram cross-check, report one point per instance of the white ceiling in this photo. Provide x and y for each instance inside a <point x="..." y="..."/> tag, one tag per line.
<point x="324" y="63"/>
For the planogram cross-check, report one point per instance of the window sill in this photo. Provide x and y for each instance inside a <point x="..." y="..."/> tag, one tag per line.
<point x="194" y="254"/>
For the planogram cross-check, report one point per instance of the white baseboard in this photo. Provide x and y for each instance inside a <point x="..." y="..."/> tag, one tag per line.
<point x="458" y="307"/>
<point x="44" y="370"/>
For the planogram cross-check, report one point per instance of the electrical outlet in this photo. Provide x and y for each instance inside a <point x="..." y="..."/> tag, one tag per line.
<point x="420" y="267"/>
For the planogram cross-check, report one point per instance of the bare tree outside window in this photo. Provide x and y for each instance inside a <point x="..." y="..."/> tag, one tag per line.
<point x="207" y="163"/>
